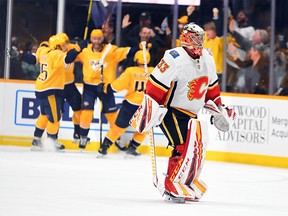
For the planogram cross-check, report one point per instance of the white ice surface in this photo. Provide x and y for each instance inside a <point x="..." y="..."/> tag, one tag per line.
<point x="79" y="184"/>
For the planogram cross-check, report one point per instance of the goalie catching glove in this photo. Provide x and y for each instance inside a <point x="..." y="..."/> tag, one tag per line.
<point x="222" y="117"/>
<point x="148" y="115"/>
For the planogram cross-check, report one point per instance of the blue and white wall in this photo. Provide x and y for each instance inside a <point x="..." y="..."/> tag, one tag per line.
<point x="259" y="135"/>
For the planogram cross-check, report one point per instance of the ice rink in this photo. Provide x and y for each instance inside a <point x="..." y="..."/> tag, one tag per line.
<point x="74" y="184"/>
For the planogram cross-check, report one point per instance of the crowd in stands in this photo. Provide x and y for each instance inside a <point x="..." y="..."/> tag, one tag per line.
<point x="247" y="49"/>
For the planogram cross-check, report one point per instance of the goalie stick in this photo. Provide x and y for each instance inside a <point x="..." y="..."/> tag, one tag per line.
<point x="156" y="182"/>
<point x="106" y="51"/>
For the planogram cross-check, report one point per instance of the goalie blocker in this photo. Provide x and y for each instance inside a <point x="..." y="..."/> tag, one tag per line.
<point x="148" y="115"/>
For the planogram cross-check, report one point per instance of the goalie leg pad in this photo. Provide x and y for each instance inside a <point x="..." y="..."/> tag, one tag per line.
<point x="186" y="163"/>
<point x="200" y="188"/>
<point x="148" y="115"/>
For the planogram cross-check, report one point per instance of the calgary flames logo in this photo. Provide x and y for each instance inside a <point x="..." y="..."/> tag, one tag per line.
<point x="197" y="88"/>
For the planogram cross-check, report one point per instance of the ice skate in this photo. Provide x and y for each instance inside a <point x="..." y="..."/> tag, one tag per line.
<point x="59" y="146"/>
<point x="76" y="139"/>
<point x="82" y="143"/>
<point x="104" y="148"/>
<point x="102" y="151"/>
<point x="37" y="144"/>
<point x="131" y="151"/>
<point x="120" y="146"/>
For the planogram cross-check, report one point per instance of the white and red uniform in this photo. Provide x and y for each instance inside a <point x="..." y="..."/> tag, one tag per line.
<point x="183" y="84"/>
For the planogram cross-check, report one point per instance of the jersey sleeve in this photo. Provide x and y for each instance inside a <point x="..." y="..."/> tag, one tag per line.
<point x="161" y="78"/>
<point x="120" y="54"/>
<point x="213" y="92"/>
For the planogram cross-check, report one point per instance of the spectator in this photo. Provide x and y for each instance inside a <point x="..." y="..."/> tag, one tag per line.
<point x="242" y="27"/>
<point x="193" y="14"/>
<point x="154" y="43"/>
<point x="181" y="22"/>
<point x="257" y="65"/>
<point x="259" y="36"/>
<point x="283" y="89"/>
<point x="15" y="64"/>
<point x="214" y="45"/>
<point x="243" y="46"/>
<point x="108" y="31"/>
<point x="30" y="71"/>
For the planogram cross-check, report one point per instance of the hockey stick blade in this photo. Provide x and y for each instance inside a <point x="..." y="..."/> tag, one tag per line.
<point x="160" y="187"/>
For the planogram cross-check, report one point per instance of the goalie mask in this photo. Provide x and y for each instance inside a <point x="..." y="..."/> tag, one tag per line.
<point x="192" y="37"/>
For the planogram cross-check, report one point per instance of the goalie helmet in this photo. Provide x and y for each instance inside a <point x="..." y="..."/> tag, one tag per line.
<point x="192" y="37"/>
<point x="139" y="57"/>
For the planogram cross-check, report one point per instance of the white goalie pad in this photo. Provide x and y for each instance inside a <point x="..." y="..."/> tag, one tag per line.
<point x="223" y="117"/>
<point x="184" y="170"/>
<point x="148" y="115"/>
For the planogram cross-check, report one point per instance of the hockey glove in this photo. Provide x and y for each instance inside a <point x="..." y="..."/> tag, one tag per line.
<point x="82" y="44"/>
<point x="222" y="116"/>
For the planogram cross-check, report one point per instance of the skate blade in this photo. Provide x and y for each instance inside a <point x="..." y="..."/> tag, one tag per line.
<point x="60" y="150"/>
<point x="81" y="150"/>
<point x="99" y="155"/>
<point x="170" y="199"/>
<point x="121" y="148"/>
<point x="130" y="156"/>
<point x="37" y="148"/>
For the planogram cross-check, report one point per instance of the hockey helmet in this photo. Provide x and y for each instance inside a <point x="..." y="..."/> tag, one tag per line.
<point x="96" y="33"/>
<point x="139" y="57"/>
<point x="192" y="37"/>
<point x="64" y="36"/>
<point x="56" y="40"/>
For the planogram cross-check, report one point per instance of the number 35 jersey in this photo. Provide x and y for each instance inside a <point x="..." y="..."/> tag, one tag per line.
<point x="134" y="81"/>
<point x="182" y="82"/>
<point x="52" y="72"/>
